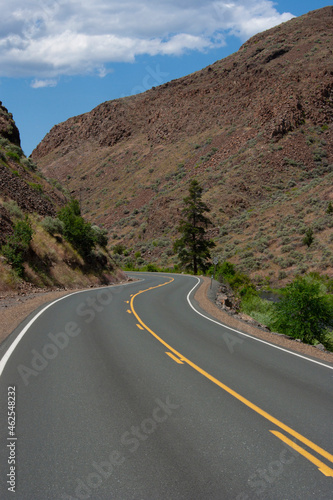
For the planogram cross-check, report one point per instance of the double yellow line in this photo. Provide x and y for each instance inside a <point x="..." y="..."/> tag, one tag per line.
<point x="179" y="358"/>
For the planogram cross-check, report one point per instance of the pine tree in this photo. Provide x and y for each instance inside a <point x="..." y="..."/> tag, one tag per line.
<point x="193" y="247"/>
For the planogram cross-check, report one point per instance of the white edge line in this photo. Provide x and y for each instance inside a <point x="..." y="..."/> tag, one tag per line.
<point x="11" y="348"/>
<point x="250" y="336"/>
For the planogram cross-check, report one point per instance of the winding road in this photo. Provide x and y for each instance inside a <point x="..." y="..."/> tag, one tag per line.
<point x="134" y="392"/>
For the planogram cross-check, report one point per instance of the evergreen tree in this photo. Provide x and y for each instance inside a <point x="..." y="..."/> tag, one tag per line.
<point x="193" y="247"/>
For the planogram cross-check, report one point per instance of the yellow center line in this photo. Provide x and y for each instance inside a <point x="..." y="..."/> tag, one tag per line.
<point x="327" y="471"/>
<point x="233" y="393"/>
<point x="174" y="358"/>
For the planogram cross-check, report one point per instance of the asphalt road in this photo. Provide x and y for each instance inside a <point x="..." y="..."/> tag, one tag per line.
<point x="129" y="393"/>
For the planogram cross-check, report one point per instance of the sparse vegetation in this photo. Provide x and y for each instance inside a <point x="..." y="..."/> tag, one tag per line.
<point x="17" y="245"/>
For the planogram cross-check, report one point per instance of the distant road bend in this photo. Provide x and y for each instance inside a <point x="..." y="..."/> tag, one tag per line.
<point x="134" y="392"/>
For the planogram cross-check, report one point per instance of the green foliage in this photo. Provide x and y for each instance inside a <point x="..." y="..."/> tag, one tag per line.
<point x="193" y="247"/>
<point x="239" y="282"/>
<point x="12" y="149"/>
<point x="303" y="312"/>
<point x="227" y="269"/>
<point x="152" y="268"/>
<point x="17" y="245"/>
<point x="100" y="235"/>
<point x="259" y="309"/>
<point x="13" y="156"/>
<point x="78" y="232"/>
<point x="119" y="249"/>
<point x="29" y="163"/>
<point x="53" y="225"/>
<point x="36" y="187"/>
<point x="3" y="141"/>
<point x="13" y="209"/>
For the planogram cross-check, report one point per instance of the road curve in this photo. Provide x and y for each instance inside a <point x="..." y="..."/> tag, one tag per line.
<point x="128" y="392"/>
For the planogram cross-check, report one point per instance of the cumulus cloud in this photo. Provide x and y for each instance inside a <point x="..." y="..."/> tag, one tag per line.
<point x="44" y="39"/>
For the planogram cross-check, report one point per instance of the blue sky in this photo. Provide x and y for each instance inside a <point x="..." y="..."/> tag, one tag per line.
<point x="60" y="58"/>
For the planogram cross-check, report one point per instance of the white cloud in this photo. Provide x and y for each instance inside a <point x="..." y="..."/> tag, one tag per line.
<point x="38" y="84"/>
<point x="46" y="38"/>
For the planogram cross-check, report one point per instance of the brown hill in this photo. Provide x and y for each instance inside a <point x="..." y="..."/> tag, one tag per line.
<point x="254" y="128"/>
<point x="28" y="200"/>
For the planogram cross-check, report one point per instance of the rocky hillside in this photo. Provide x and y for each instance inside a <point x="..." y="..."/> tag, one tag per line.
<point x="27" y="201"/>
<point x="254" y="128"/>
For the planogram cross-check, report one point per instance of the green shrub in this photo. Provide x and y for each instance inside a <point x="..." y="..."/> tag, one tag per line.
<point x="29" y="163"/>
<point x="259" y="309"/>
<point x="3" y="141"/>
<point x="12" y="149"/>
<point x="78" y="232"/>
<point x="13" y="209"/>
<point x="303" y="312"/>
<point x="152" y="268"/>
<point x="119" y="249"/>
<point x="17" y="245"/>
<point x="36" y="187"/>
<point x="100" y="235"/>
<point x="53" y="225"/>
<point x="239" y="282"/>
<point x="13" y="156"/>
<point x="329" y="209"/>
<point x="227" y="269"/>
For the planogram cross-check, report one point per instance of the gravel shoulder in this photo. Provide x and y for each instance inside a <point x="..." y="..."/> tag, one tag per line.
<point x="15" y="308"/>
